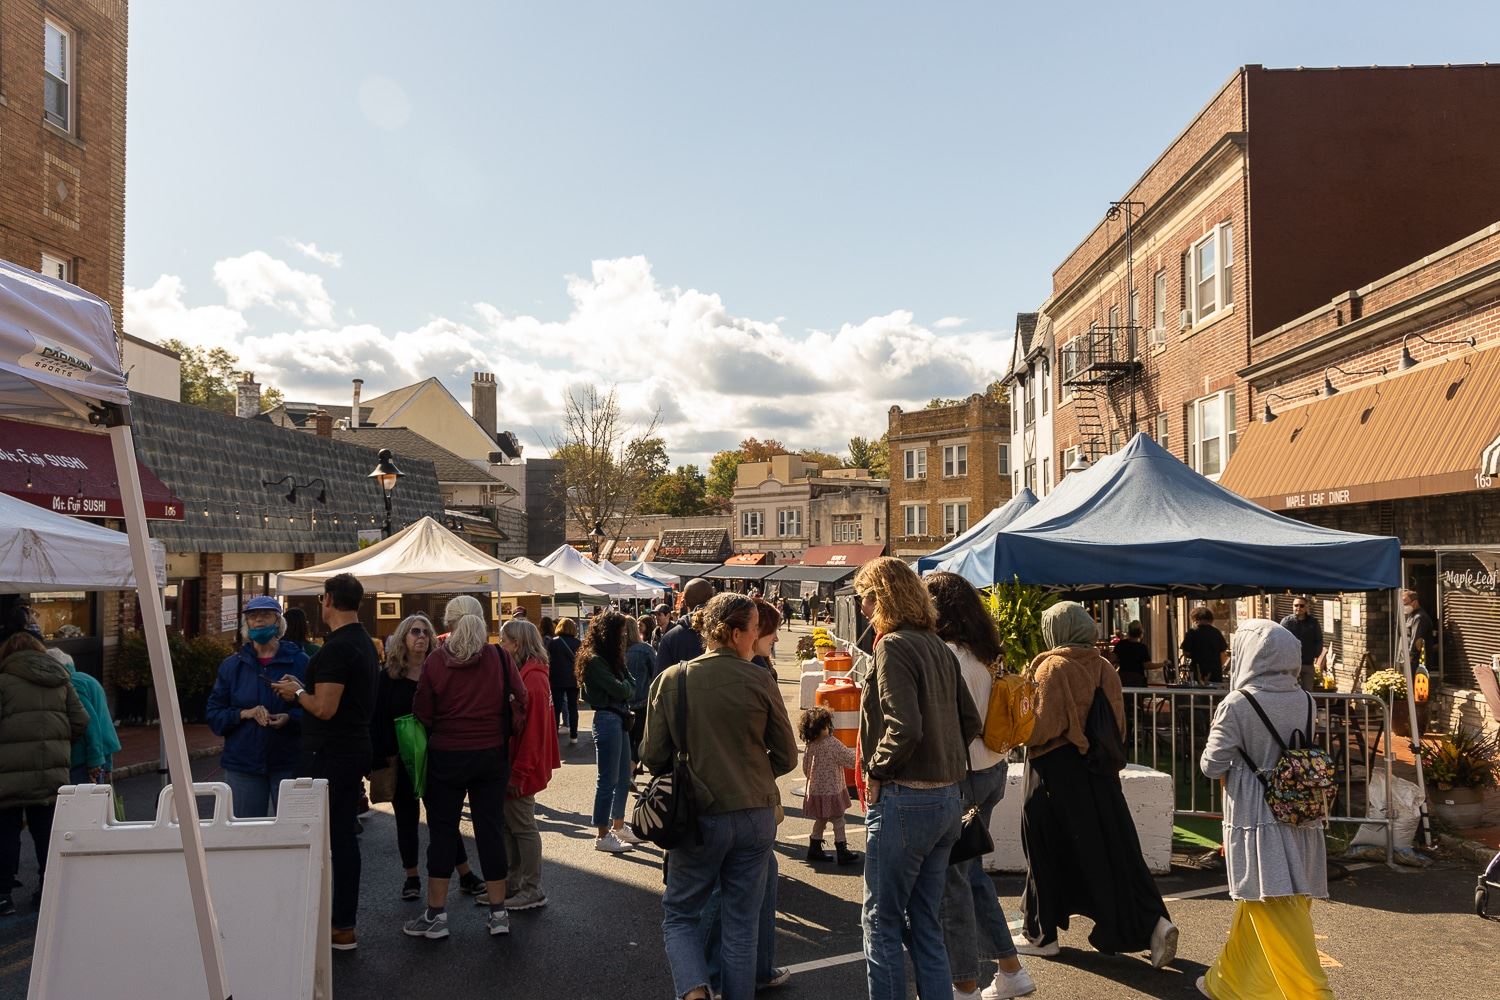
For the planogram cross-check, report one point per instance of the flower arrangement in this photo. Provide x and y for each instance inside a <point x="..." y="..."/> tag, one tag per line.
<point x="1387" y="685"/>
<point x="806" y="649"/>
<point x="1466" y="758"/>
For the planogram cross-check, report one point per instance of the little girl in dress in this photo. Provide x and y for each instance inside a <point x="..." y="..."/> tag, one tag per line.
<point x="827" y="795"/>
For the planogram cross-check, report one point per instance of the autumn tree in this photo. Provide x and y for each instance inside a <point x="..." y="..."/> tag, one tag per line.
<point x="995" y="392"/>
<point x="606" y="465"/>
<point x="683" y="493"/>
<point x="724" y="467"/>
<point x="822" y="459"/>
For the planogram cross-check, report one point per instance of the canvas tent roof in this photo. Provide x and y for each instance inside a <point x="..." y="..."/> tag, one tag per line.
<point x="656" y="571"/>
<point x="603" y="576"/>
<point x="562" y="583"/>
<point x="422" y="558"/>
<point x="43" y="550"/>
<point x="1140" y="521"/>
<point x="964" y="555"/>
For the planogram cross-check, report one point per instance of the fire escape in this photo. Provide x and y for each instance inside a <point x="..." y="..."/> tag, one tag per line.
<point x="1105" y="359"/>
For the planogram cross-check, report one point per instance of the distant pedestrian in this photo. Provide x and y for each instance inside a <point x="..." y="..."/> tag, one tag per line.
<point x="1275" y="870"/>
<point x="93" y="753"/>
<point x="806" y="610"/>
<point x="1205" y="648"/>
<point x="682" y="642"/>
<point x="1131" y="657"/>
<point x="562" y="652"/>
<point x="296" y="631"/>
<point x="608" y="688"/>
<point x="640" y="662"/>
<point x="534" y="757"/>
<point x="826" y="799"/>
<point x="1309" y="633"/>
<point x="1418" y="635"/>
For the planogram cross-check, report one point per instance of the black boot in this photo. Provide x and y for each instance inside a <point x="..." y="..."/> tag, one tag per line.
<point x="815" y="850"/>
<point x="846" y="856"/>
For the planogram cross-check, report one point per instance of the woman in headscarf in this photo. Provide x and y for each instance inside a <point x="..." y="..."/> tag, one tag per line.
<point x="1275" y="870"/>
<point x="1082" y="852"/>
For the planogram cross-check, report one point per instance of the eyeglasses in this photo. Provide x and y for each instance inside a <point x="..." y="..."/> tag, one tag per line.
<point x="417" y="630"/>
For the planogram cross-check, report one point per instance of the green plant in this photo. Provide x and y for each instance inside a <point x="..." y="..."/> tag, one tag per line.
<point x="1017" y="611"/>
<point x="195" y="662"/>
<point x="805" y="648"/>
<point x="1466" y="758"/>
<point x="133" y="668"/>
<point x="1386" y="684"/>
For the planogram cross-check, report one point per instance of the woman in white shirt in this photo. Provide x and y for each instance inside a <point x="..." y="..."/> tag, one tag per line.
<point x="974" y="924"/>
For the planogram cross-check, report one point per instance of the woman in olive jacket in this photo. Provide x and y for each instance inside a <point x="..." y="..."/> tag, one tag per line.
<point x="40" y="717"/>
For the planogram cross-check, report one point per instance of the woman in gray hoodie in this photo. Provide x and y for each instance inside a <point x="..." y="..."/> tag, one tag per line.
<point x="1275" y="870"/>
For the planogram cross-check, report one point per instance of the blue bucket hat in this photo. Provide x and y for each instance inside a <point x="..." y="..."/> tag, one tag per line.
<point x="262" y="603"/>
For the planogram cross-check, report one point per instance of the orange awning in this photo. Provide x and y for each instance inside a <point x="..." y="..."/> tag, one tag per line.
<point x="746" y="559"/>
<point x="1425" y="432"/>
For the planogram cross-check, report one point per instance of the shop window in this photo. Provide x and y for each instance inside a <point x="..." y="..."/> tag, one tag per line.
<point x="64" y="614"/>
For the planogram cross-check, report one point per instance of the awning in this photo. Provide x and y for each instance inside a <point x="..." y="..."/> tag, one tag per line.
<point x="1424" y="432"/>
<point x="746" y="559"/>
<point x="842" y="555"/>
<point x="814" y="574"/>
<point x="707" y="545"/>
<point x="728" y="572"/>
<point x="73" y="472"/>
<point x="687" y="570"/>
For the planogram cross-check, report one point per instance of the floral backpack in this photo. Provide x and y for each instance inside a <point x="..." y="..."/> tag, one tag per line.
<point x="1299" y="786"/>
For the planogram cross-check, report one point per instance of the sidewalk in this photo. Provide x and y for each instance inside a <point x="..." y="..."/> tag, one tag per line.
<point x="140" y="748"/>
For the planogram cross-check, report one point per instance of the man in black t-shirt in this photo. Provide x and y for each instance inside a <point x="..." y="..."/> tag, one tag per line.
<point x="337" y="701"/>
<point x="1131" y="655"/>
<point x="1309" y="632"/>
<point x="1205" y="647"/>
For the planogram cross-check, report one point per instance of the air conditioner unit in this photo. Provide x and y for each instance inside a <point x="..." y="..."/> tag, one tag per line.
<point x="921" y="475"/>
<point x="1157" y="337"/>
<point x="1185" y="319"/>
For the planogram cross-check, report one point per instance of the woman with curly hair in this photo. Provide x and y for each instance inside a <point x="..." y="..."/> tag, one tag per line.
<point x="605" y="680"/>
<point x="916" y="720"/>
<point x="738" y="740"/>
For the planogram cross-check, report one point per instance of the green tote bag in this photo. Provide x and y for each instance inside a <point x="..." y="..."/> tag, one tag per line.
<point x="411" y="741"/>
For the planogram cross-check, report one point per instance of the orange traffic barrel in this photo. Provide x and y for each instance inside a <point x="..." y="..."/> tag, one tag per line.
<point x="840" y="696"/>
<point x="837" y="662"/>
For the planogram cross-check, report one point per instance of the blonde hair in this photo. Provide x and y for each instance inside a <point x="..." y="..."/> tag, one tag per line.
<point x="717" y="620"/>
<point x="900" y="599"/>
<point x="528" y="640"/>
<point x="467" y="631"/>
<point x="395" y="649"/>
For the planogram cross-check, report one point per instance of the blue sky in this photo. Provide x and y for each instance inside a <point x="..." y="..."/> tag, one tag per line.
<point x="770" y="218"/>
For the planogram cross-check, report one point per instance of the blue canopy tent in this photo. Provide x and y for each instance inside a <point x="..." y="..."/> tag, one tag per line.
<point x="964" y="555"/>
<point x="1141" y="522"/>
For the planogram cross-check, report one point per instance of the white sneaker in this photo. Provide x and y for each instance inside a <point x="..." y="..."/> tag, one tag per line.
<point x="959" y="994"/>
<point x="1202" y="985"/>
<point x="610" y="844"/>
<point x="1009" y="984"/>
<point x="1163" y="942"/>
<point x="627" y="836"/>
<point x="1049" y="949"/>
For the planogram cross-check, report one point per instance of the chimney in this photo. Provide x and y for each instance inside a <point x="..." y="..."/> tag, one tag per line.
<point x="354" y="419"/>
<point x="247" y="396"/>
<point x="323" y="422"/>
<point x="483" y="400"/>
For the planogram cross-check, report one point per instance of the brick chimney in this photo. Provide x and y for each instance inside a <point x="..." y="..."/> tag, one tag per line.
<point x="247" y="396"/>
<point x="323" y="423"/>
<point x="483" y="395"/>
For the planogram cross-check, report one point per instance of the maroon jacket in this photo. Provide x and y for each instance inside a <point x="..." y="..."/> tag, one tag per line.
<point x="463" y="704"/>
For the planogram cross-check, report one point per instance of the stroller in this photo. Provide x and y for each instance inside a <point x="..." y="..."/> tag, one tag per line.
<point x="1489" y="684"/>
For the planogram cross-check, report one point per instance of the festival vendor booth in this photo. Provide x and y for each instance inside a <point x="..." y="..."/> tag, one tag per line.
<point x="658" y="573"/>
<point x="40" y="550"/>
<point x="59" y="356"/>
<point x="571" y="598"/>
<point x="601" y="575"/>
<point x="965" y="554"/>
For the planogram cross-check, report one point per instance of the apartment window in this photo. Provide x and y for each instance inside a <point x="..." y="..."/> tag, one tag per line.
<point x="955" y="460"/>
<point x="1031" y="405"/>
<point x="916" y="518"/>
<point x="1116" y="440"/>
<point x="1016" y="484"/>
<point x="1015" y="406"/>
<point x="1030" y="476"/>
<point x="56" y="267"/>
<point x="1134" y="321"/>
<point x="788" y="523"/>
<point x="58" y="72"/>
<point x="1046" y="384"/>
<point x="1067" y="367"/>
<point x="1046" y="475"/>
<point x="916" y="463"/>
<point x="955" y="519"/>
<point x="1210" y="278"/>
<point x="1211" y="432"/>
<point x="1161" y="432"/>
<point x="1116" y="335"/>
<point x="1069" y="456"/>
<point x="847" y="528"/>
<point x="1003" y="463"/>
<point x="1159" y="299"/>
<point x="752" y="524"/>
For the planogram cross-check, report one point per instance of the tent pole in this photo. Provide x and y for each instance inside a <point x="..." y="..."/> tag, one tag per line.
<point x="1416" y="738"/>
<point x="153" y="619"/>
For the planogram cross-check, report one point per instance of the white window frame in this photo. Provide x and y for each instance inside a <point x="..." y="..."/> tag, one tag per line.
<point x="1069" y="456"/>
<point x="63" y="33"/>
<point x="56" y="267"/>
<point x="914" y="463"/>
<point x="755" y="519"/>
<point x="955" y="461"/>
<point x="1003" y="460"/>
<point x="955" y="519"/>
<point x="1067" y="366"/>
<point x="1215" y="412"/>
<point x="1159" y="301"/>
<point x="788" y="523"/>
<point x="914" y="519"/>
<point x="1046" y="483"/>
<point x="848" y="531"/>
<point x="1046" y="383"/>
<point x="1212" y="293"/>
<point x="1163" y="430"/>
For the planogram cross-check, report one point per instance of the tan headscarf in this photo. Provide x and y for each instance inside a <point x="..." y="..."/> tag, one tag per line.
<point x="1067" y="623"/>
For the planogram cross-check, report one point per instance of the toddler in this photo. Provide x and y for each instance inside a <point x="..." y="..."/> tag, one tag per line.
<point x="827" y="795"/>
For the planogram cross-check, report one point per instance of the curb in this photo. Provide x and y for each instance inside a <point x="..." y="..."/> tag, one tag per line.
<point x="152" y="766"/>
<point x="1471" y="849"/>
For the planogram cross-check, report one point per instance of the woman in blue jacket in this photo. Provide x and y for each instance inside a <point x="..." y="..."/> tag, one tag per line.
<point x="261" y="732"/>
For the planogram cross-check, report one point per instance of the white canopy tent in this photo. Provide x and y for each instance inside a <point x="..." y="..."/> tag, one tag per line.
<point x="422" y="558"/>
<point x="563" y="585"/>
<point x="43" y="550"/>
<point x="59" y="355"/>
<point x="654" y="571"/>
<point x="602" y="576"/>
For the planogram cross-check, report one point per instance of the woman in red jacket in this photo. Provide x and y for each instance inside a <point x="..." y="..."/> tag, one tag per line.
<point x="534" y="754"/>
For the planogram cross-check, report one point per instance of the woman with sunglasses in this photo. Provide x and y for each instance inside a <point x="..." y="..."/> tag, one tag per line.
<point x="407" y="649"/>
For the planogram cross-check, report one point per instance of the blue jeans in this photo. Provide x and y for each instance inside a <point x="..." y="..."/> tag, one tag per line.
<point x="733" y="856"/>
<point x="612" y="751"/>
<point x="256" y="794"/>
<point x="909" y="834"/>
<point x="974" y="925"/>
<point x="765" y="942"/>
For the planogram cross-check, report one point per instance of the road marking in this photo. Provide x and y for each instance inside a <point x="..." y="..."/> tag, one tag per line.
<point x="825" y="963"/>
<point x="1328" y="962"/>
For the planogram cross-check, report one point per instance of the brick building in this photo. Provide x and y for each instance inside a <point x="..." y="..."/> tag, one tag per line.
<point x="1028" y="384"/>
<point x="782" y="507"/>
<point x="949" y="467"/>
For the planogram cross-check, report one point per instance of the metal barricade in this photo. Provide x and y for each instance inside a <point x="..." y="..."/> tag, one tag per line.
<point x="1167" y="729"/>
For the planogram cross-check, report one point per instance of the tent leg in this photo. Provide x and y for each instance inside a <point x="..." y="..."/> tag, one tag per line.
<point x="153" y="618"/>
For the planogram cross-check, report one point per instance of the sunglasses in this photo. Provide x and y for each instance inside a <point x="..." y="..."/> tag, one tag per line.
<point x="418" y="630"/>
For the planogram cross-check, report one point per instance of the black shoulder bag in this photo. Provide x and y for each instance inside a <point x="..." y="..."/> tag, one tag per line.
<point x="666" y="813"/>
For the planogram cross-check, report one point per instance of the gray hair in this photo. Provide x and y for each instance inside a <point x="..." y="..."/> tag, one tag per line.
<point x="467" y="631"/>
<point x="527" y="638"/>
<point x="395" y="649"/>
<point x="245" y="628"/>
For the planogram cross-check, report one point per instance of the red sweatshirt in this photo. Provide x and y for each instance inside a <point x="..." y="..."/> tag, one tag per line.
<point x="535" y="755"/>
<point x="462" y="704"/>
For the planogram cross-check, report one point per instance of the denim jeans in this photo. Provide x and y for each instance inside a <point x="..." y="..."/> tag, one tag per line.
<point x="612" y="751"/>
<point x="974" y="925"/>
<point x="255" y="794"/>
<point x="732" y="856"/>
<point x="765" y="938"/>
<point x="908" y="836"/>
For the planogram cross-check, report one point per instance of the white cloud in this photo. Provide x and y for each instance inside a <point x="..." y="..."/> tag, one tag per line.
<point x="332" y="258"/>
<point x="384" y="102"/>
<point x="714" y="376"/>
<point x="949" y="323"/>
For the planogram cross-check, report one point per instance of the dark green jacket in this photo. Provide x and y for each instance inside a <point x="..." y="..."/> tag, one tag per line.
<point x="916" y="716"/>
<point x="602" y="688"/>
<point x="40" y="717"/>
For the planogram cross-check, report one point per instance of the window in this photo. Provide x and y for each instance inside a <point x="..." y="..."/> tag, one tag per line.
<point x="916" y="463"/>
<point x="1004" y="461"/>
<point x="1116" y="440"/>
<point x="955" y="519"/>
<point x="1015" y="407"/>
<point x="752" y="524"/>
<point x="1159" y="300"/>
<point x="1031" y="405"/>
<point x="1069" y="456"/>
<point x="1134" y="323"/>
<point x="1046" y="475"/>
<point x="1030" y="476"/>
<point x="955" y="460"/>
<point x="916" y="518"/>
<point x="1211" y="433"/>
<point x="1210" y="277"/>
<point x="847" y="528"/>
<point x="1161" y="432"/>
<point x="788" y="523"/>
<point x="1046" y="385"/>
<point x="58" y="72"/>
<point x="1066" y="363"/>
<point x="1016" y="484"/>
<point x="64" y="614"/>
<point x="1116" y="335"/>
<point x="57" y="267"/>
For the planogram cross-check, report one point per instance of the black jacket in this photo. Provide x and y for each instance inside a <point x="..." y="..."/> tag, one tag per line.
<point x="562" y="651"/>
<point x="1309" y="632"/>
<point x="679" y="645"/>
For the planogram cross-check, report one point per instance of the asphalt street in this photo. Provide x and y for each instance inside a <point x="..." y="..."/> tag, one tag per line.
<point x="1384" y="934"/>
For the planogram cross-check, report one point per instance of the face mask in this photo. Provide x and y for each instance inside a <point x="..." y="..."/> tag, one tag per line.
<point x="262" y="635"/>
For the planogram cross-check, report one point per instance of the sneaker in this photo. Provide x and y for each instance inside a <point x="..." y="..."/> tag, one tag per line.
<point x="610" y="844"/>
<point x="1202" y="985"/>
<point x="1046" y="949"/>
<point x="530" y="899"/>
<point x="344" y="940"/>
<point x="572" y="741"/>
<point x="411" y="888"/>
<point x="1163" y="942"/>
<point x="470" y="884"/>
<point x="959" y="994"/>
<point x="1009" y="984"/>
<point x="498" y="923"/>
<point x="427" y="925"/>
<point x="779" y="977"/>
<point x="627" y="836"/>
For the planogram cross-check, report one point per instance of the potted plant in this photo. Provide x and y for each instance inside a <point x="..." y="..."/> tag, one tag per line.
<point x="1460" y="765"/>
<point x="1390" y="687"/>
<point x="1017" y="611"/>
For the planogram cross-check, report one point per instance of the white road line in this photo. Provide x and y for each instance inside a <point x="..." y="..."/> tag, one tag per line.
<point x="825" y="963"/>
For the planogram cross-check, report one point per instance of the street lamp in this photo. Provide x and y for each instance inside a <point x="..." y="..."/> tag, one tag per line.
<point x="596" y="538"/>
<point x="386" y="474"/>
<point x="1269" y="415"/>
<point x="1079" y="464"/>
<point x="1407" y="361"/>
<point x="1329" y="389"/>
